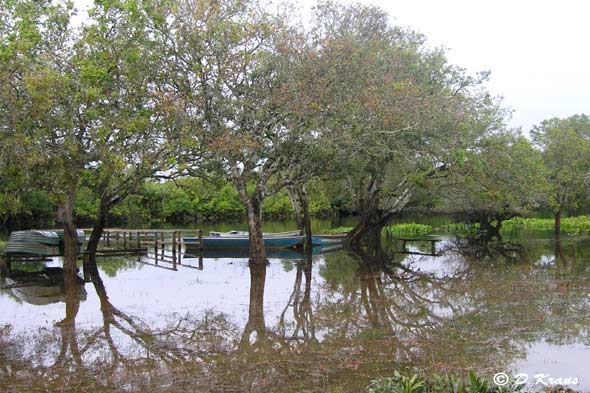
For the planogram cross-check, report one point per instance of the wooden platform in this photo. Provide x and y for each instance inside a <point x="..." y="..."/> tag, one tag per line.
<point x="151" y="237"/>
<point x="406" y="240"/>
<point x="122" y="242"/>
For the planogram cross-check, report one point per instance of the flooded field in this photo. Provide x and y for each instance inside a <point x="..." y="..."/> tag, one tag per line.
<point x="329" y="322"/>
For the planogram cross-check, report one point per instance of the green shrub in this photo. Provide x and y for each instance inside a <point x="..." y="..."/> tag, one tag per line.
<point x="439" y="384"/>
<point x="408" y="229"/>
<point x="2" y="245"/>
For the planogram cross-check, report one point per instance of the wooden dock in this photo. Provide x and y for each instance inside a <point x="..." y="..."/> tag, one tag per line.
<point x="159" y="245"/>
<point x="148" y="237"/>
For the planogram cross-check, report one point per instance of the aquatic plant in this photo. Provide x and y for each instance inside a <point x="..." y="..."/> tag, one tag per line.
<point x="439" y="384"/>
<point x="571" y="225"/>
<point x="409" y="228"/>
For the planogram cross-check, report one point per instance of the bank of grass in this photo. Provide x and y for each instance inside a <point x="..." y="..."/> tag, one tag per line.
<point x="570" y="225"/>
<point x="409" y="228"/>
<point x="439" y="384"/>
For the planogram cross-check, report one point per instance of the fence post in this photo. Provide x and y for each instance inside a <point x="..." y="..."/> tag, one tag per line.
<point x="174" y="246"/>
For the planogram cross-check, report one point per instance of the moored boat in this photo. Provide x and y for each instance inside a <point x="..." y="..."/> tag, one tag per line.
<point x="38" y="242"/>
<point x="270" y="241"/>
<point x="52" y="237"/>
<point x="235" y="233"/>
<point x="30" y="248"/>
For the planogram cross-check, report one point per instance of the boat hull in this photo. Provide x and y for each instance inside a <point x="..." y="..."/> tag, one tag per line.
<point x="244" y="242"/>
<point x="245" y="234"/>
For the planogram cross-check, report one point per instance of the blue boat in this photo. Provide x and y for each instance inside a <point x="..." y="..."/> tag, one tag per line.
<point x="278" y="253"/>
<point x="240" y="253"/>
<point x="270" y="241"/>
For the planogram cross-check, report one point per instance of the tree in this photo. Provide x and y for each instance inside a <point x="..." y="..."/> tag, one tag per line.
<point x="85" y="109"/>
<point x="120" y="64"/>
<point x="230" y="66"/>
<point x="565" y="144"/>
<point x="500" y="177"/>
<point x="394" y="112"/>
<point x="39" y="118"/>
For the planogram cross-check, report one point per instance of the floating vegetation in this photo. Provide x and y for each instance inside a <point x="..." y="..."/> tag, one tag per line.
<point x="439" y="384"/>
<point x="571" y="225"/>
<point x="408" y="229"/>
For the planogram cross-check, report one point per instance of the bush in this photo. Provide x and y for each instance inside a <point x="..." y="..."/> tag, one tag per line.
<point x="439" y="384"/>
<point x="408" y="229"/>
<point x="571" y="225"/>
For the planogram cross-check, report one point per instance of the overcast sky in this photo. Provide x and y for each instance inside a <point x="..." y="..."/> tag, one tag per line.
<point x="538" y="51"/>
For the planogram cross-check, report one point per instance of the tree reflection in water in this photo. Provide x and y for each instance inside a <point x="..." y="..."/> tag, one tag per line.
<point x="349" y="317"/>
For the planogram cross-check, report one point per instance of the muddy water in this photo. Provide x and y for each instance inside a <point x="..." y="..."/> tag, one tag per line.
<point x="330" y="322"/>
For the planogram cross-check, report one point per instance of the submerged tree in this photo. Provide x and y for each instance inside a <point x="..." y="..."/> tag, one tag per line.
<point x="500" y="177"/>
<point x="565" y="144"/>
<point x="41" y="120"/>
<point x="230" y="65"/>
<point x="84" y="108"/>
<point x="120" y="64"/>
<point x="395" y="112"/>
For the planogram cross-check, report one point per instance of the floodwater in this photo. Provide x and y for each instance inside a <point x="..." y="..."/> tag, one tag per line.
<point x="329" y="322"/>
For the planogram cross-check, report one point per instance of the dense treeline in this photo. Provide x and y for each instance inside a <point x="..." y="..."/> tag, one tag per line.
<point x="180" y="109"/>
<point x="184" y="201"/>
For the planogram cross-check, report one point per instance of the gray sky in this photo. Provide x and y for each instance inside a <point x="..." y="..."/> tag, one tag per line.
<point x="538" y="51"/>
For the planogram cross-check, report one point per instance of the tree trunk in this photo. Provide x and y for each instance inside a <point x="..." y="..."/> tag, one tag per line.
<point x="491" y="231"/>
<point x="557" y="218"/>
<point x="66" y="217"/>
<point x="254" y="212"/>
<point x="300" y="203"/>
<point x="255" y="321"/>
<point x="372" y="217"/>
<point x="96" y="234"/>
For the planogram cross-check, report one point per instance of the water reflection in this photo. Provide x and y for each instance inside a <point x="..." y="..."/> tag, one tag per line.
<point x="303" y="322"/>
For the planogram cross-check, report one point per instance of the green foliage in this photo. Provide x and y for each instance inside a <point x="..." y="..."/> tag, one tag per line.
<point x="565" y="144"/>
<point x="397" y="384"/>
<point x="408" y="229"/>
<point x="439" y="384"/>
<point x="502" y="175"/>
<point x="571" y="225"/>
<point x="2" y="245"/>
